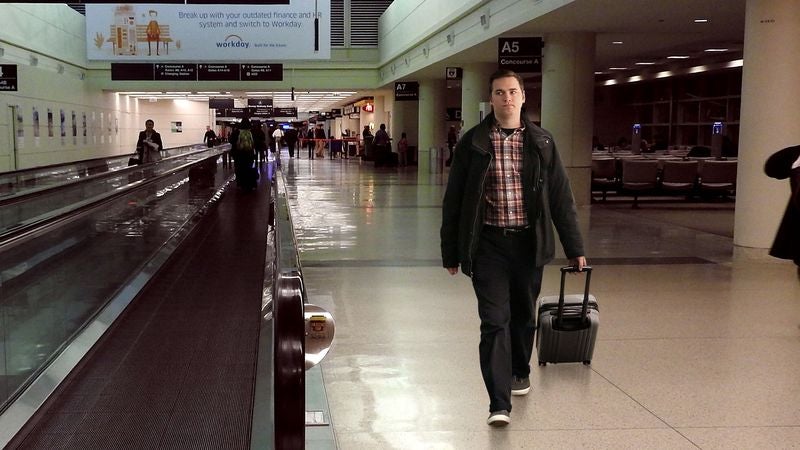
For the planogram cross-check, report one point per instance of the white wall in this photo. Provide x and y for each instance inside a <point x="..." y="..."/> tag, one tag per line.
<point x="60" y="80"/>
<point x="99" y="126"/>
<point x="193" y="116"/>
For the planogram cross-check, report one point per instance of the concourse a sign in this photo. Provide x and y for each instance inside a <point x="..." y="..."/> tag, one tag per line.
<point x="8" y="77"/>
<point x="522" y="55"/>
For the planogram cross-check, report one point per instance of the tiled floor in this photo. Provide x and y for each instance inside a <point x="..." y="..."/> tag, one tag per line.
<point x="699" y="345"/>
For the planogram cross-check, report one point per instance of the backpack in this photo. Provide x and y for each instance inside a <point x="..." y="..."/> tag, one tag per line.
<point x="245" y="141"/>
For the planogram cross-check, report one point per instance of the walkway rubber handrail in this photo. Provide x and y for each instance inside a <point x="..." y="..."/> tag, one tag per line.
<point x="67" y="214"/>
<point x="288" y="329"/>
<point x="44" y="190"/>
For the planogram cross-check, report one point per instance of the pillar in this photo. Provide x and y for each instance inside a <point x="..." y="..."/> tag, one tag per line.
<point x="769" y="112"/>
<point x="474" y="90"/>
<point x="431" y="122"/>
<point x="405" y="119"/>
<point x="568" y="104"/>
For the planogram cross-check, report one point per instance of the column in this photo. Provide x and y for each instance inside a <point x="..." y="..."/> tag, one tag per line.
<point x="431" y="122"/>
<point x="474" y="90"/>
<point x="568" y="104"/>
<point x="405" y="118"/>
<point x="770" y="89"/>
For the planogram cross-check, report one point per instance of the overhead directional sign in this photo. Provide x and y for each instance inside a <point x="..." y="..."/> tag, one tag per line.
<point x="175" y="72"/>
<point x="196" y="72"/>
<point x="261" y="72"/>
<point x="218" y="72"/>
<point x="522" y="54"/>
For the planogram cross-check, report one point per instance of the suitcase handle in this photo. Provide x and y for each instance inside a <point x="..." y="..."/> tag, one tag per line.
<point x="585" y="307"/>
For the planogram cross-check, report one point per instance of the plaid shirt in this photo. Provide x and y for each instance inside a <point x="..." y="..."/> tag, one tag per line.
<point x="505" y="205"/>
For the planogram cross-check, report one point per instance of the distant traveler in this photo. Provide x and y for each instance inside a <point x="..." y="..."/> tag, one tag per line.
<point x="210" y="138"/>
<point x="319" y="141"/>
<point x="382" y="139"/>
<point x="291" y="141"/>
<point x="782" y="165"/>
<point x="506" y="190"/>
<point x="452" y="139"/>
<point x="243" y="151"/>
<point x="402" y="149"/>
<point x="383" y="148"/>
<point x="310" y="141"/>
<point x="259" y="140"/>
<point x="277" y="137"/>
<point x="149" y="144"/>
<point x="368" y="138"/>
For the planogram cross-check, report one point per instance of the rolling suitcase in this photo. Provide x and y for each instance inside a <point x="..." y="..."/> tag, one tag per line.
<point x="567" y="324"/>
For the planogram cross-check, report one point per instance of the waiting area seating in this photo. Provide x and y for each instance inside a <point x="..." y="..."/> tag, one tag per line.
<point x="604" y="175"/>
<point x="679" y="176"/>
<point x="717" y="177"/>
<point x="662" y="174"/>
<point x="639" y="175"/>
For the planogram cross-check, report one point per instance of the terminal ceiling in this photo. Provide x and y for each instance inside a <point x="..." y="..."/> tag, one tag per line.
<point x="627" y="32"/>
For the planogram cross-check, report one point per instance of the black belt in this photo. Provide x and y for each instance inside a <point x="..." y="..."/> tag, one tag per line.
<point x="507" y="231"/>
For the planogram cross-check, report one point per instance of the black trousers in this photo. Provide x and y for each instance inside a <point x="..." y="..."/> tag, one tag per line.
<point x="506" y="283"/>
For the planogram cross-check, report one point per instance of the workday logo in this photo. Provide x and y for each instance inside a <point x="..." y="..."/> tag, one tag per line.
<point x="233" y="41"/>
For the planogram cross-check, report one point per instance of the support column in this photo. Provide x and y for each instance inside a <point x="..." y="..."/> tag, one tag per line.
<point x="770" y="89"/>
<point x="568" y="104"/>
<point x="405" y="118"/>
<point x="474" y="90"/>
<point x="431" y="122"/>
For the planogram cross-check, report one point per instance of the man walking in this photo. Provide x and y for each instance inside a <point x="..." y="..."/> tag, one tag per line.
<point x="506" y="189"/>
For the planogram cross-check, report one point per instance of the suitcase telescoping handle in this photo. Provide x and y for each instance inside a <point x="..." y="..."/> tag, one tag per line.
<point x="585" y="307"/>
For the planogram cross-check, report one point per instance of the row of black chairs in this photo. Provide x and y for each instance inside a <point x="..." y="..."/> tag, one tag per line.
<point x="640" y="176"/>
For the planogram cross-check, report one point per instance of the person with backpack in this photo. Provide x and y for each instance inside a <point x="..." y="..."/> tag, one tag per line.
<point x="243" y="151"/>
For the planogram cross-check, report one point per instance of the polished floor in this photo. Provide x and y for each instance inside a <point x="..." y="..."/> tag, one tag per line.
<point x="699" y="344"/>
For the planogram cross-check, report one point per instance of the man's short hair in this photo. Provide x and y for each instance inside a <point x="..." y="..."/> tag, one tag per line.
<point x="149" y="121"/>
<point x="505" y="73"/>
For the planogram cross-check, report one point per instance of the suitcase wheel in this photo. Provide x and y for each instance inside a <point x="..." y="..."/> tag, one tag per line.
<point x="542" y="363"/>
<point x="586" y="363"/>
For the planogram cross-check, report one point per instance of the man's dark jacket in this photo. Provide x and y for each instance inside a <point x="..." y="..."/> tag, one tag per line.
<point x="787" y="240"/>
<point x="546" y="191"/>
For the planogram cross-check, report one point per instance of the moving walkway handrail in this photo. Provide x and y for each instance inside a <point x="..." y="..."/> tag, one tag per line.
<point x="68" y="213"/>
<point x="43" y="190"/>
<point x="289" y="296"/>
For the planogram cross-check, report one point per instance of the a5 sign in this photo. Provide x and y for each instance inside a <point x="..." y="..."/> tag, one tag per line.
<point x="522" y="54"/>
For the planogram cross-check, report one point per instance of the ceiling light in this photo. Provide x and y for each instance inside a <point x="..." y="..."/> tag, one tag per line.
<point x="678" y="57"/>
<point x="700" y="20"/>
<point x="645" y="63"/>
<point x="617" y="68"/>
<point x="616" y="42"/>
<point x="715" y="50"/>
